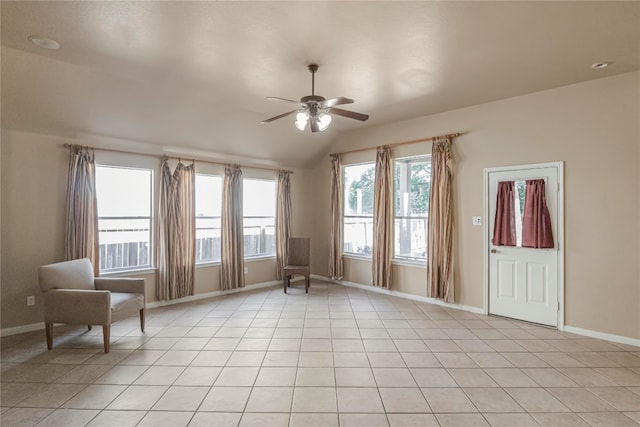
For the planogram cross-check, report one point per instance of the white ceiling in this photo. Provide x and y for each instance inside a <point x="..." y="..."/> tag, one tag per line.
<point x="195" y="74"/>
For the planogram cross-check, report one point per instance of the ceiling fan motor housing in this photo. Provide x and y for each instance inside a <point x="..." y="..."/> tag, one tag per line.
<point x="311" y="102"/>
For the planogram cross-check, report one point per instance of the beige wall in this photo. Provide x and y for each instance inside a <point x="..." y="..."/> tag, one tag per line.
<point x="594" y="128"/>
<point x="33" y="174"/>
<point x="33" y="190"/>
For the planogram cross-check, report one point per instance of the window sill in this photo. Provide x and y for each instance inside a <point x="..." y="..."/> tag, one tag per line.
<point x="251" y="259"/>
<point x="208" y="264"/>
<point x="410" y="263"/>
<point x="395" y="261"/>
<point x="358" y="257"/>
<point x="260" y="258"/>
<point x="120" y="273"/>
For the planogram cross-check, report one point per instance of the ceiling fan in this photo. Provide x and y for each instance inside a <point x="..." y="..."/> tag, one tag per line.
<point x="315" y="109"/>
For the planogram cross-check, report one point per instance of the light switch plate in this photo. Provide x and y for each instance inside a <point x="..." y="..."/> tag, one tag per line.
<point x="477" y="220"/>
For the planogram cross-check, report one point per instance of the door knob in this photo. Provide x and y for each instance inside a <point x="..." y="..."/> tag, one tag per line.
<point x="493" y="251"/>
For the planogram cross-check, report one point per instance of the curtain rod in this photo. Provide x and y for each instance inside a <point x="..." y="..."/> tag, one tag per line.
<point x="113" y="150"/>
<point x="396" y="144"/>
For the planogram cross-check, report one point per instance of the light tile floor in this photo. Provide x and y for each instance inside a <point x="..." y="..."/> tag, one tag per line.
<point x="335" y="357"/>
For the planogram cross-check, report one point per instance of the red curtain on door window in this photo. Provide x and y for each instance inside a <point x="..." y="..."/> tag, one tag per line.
<point x="504" y="226"/>
<point x="536" y="222"/>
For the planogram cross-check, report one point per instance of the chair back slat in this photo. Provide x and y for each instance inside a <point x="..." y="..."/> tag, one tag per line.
<point x="299" y="251"/>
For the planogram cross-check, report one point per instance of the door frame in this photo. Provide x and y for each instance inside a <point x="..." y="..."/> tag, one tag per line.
<point x="559" y="238"/>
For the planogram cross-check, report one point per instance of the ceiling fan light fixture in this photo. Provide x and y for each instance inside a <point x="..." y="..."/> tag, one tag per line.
<point x="302" y="118"/>
<point x="323" y="120"/>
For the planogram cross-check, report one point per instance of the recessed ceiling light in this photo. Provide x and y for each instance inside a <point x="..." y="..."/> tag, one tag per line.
<point x="44" y="42"/>
<point x="599" y="65"/>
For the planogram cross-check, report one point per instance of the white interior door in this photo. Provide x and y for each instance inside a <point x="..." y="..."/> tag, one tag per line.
<point x="524" y="282"/>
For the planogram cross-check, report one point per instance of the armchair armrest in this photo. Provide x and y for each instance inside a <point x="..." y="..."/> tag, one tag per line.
<point x="120" y="284"/>
<point x="77" y="306"/>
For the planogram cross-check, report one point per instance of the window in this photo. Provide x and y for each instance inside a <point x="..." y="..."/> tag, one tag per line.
<point x="208" y="208"/>
<point x="520" y="188"/>
<point x="124" y="217"/>
<point x="259" y="221"/>
<point x="358" y="208"/>
<point x="412" y="184"/>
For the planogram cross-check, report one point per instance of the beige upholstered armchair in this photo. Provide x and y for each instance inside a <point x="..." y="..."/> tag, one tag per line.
<point x="298" y="261"/>
<point x="73" y="296"/>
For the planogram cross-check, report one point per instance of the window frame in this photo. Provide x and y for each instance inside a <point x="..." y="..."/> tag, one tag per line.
<point x="409" y="260"/>
<point x="209" y="261"/>
<point x="266" y="255"/>
<point x="150" y="266"/>
<point x="345" y="201"/>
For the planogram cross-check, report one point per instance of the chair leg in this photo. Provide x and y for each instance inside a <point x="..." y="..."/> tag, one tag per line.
<point x="285" y="279"/>
<point x="89" y="327"/>
<point x="142" y="310"/>
<point x="49" y="331"/>
<point x="106" y="333"/>
<point x="306" y="284"/>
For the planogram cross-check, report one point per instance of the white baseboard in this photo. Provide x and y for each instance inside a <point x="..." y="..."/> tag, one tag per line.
<point x="402" y="295"/>
<point x="571" y="329"/>
<point x="211" y="294"/>
<point x="603" y="336"/>
<point x="21" y="329"/>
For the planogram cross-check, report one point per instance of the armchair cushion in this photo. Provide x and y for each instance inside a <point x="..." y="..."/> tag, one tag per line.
<point x="126" y="301"/>
<point x="75" y="274"/>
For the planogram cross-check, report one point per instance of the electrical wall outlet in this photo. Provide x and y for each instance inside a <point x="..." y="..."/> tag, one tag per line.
<point x="477" y="220"/>
<point x="31" y="300"/>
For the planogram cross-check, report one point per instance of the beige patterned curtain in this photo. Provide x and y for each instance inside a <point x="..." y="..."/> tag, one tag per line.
<point x="440" y="225"/>
<point x="382" y="219"/>
<point x="82" y="208"/>
<point x="176" y="232"/>
<point x="232" y="245"/>
<point x="335" y="226"/>
<point x="283" y="220"/>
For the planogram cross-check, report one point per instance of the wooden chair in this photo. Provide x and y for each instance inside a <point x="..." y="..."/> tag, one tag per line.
<point x="298" y="261"/>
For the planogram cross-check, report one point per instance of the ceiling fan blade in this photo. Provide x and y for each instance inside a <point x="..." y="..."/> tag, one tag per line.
<point x="314" y="124"/>
<point x="288" y="113"/>
<point x="349" y="114"/>
<point x="335" y="101"/>
<point x="291" y="101"/>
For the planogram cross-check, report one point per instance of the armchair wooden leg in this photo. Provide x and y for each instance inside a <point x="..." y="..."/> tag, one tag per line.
<point x="306" y="284"/>
<point x="285" y="280"/>
<point x="89" y="327"/>
<point x="49" y="331"/>
<point x="106" y="335"/>
<point x="142" y="319"/>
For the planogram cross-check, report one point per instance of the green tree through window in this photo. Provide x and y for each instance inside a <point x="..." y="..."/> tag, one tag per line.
<point x="366" y="184"/>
